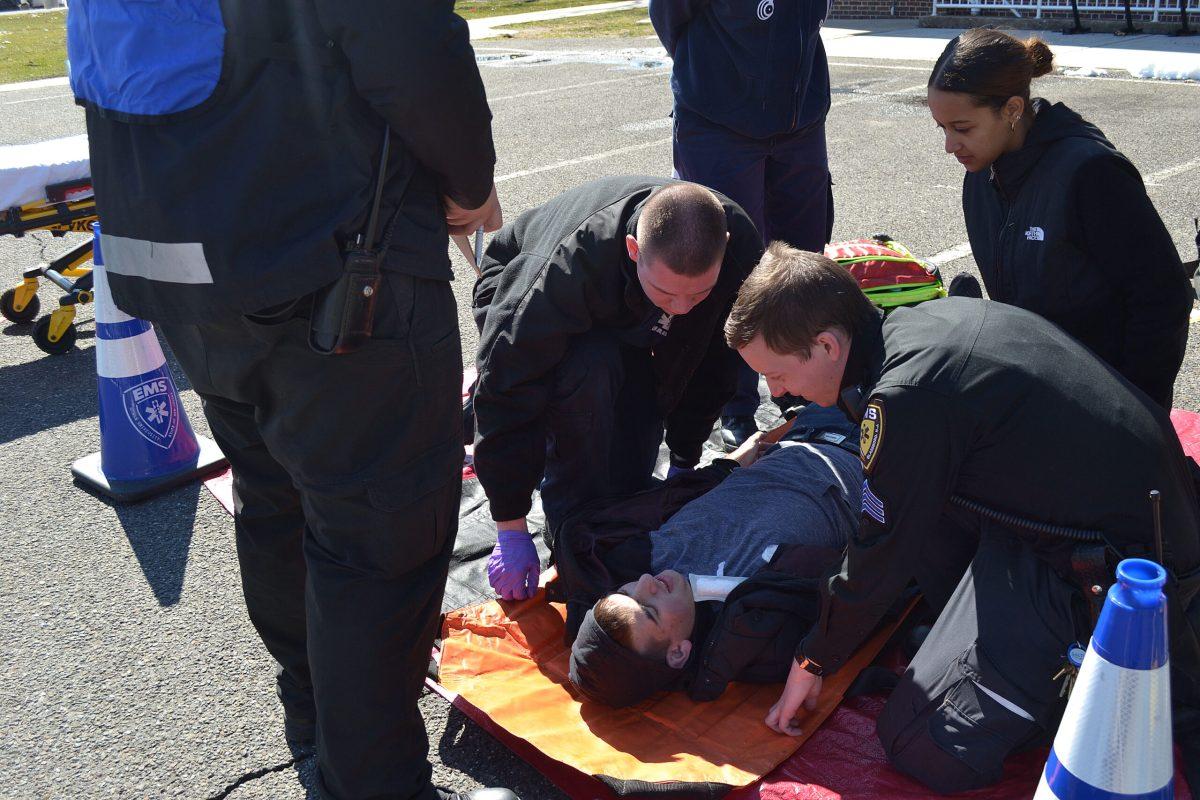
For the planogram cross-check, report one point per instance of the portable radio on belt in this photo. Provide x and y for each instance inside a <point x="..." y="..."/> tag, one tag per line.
<point x="343" y="312"/>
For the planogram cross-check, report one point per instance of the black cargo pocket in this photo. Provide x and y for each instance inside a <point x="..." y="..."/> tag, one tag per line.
<point x="959" y="739"/>
<point x="424" y="492"/>
<point x="976" y="727"/>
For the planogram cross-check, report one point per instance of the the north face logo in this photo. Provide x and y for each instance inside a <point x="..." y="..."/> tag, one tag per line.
<point x="765" y="9"/>
<point x="153" y="410"/>
<point x="1035" y="234"/>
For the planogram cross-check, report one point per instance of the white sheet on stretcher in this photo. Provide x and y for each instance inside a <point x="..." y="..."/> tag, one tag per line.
<point x="27" y="169"/>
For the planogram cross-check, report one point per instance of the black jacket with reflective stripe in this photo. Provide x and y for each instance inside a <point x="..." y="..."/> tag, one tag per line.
<point x="245" y="201"/>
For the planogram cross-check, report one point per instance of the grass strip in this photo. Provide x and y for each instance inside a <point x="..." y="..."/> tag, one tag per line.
<point x="625" y="24"/>
<point x="33" y="46"/>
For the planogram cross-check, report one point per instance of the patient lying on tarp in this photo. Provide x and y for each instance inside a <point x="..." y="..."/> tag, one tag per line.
<point x="629" y="569"/>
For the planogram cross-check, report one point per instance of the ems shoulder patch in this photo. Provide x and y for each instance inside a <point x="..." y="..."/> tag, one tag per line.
<point x="872" y="506"/>
<point x="870" y="435"/>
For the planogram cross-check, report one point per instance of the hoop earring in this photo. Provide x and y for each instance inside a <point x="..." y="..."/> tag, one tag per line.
<point x="1012" y="126"/>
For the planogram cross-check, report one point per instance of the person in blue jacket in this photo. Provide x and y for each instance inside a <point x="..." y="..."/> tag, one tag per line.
<point x="235" y="150"/>
<point x="751" y="87"/>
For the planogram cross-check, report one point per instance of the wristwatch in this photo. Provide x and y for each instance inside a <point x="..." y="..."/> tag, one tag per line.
<point x="810" y="666"/>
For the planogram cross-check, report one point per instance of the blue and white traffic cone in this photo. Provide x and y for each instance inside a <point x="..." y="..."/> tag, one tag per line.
<point x="1115" y="738"/>
<point x="146" y="442"/>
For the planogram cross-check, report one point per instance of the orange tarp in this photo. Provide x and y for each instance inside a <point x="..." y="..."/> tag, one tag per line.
<point x="509" y="661"/>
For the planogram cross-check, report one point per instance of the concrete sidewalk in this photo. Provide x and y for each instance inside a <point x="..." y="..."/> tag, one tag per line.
<point x="1143" y="55"/>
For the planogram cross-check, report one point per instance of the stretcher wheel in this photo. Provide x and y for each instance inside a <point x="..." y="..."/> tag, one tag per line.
<point x="41" y="337"/>
<point x="8" y="307"/>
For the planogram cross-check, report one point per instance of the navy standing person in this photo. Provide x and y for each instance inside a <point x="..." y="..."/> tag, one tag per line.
<point x="751" y="87"/>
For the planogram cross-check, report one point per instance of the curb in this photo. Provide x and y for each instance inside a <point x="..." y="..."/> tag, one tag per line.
<point x="38" y="84"/>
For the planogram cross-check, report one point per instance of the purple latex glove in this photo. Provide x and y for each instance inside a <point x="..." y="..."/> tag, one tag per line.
<point x="673" y="470"/>
<point x="514" y="567"/>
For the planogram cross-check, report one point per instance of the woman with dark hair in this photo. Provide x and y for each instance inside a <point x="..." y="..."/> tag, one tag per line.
<point x="1058" y="219"/>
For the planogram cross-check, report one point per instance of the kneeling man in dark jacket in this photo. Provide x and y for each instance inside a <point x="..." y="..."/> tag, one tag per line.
<point x="723" y="579"/>
<point x="601" y="317"/>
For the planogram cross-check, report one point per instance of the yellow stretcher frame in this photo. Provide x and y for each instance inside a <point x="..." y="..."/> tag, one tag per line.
<point x="63" y="211"/>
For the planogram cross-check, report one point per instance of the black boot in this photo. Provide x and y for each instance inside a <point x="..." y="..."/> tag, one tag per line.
<point x="300" y="734"/>
<point x="964" y="285"/>
<point x="735" y="430"/>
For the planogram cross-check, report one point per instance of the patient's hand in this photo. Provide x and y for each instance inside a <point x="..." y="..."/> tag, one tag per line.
<point x="750" y="450"/>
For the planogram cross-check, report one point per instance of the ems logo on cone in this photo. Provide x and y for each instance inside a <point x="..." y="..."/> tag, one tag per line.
<point x="146" y="442"/>
<point x="1115" y="738"/>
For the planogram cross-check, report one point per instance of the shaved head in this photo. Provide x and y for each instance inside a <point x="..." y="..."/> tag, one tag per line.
<point x="683" y="226"/>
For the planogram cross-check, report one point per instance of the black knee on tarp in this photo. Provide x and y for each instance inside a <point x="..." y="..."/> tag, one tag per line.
<point x="952" y="736"/>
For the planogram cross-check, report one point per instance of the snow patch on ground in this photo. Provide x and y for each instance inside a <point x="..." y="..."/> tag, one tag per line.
<point x="1085" y="72"/>
<point x="1169" y="69"/>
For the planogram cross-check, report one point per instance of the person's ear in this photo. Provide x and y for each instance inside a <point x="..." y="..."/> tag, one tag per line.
<point x="677" y="654"/>
<point x="1013" y="110"/>
<point x="830" y="345"/>
<point x="631" y="247"/>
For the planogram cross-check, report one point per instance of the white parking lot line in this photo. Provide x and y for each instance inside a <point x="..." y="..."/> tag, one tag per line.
<point x="570" y="162"/>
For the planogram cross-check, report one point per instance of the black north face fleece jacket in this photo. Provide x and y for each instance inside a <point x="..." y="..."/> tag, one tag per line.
<point x="1063" y="227"/>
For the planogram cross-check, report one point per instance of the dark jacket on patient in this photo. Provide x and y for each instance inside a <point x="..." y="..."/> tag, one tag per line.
<point x="1063" y="227"/>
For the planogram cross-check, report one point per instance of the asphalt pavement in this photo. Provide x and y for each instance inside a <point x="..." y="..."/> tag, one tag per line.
<point x="127" y="665"/>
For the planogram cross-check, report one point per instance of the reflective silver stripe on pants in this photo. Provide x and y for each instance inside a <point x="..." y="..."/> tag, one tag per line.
<point x="170" y="262"/>
<point x="1004" y="701"/>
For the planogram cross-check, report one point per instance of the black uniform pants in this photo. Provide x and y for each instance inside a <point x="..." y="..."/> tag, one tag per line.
<point x="982" y="685"/>
<point x="347" y="475"/>
<point x="602" y="423"/>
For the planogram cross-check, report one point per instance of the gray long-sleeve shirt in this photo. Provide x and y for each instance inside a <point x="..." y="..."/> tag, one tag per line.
<point x="798" y="493"/>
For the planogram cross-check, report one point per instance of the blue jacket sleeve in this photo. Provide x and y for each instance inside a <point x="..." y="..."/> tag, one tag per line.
<point x="670" y="17"/>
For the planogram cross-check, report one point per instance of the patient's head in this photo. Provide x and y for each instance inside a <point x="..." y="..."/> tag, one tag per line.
<point x="652" y="616"/>
<point x="635" y="641"/>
